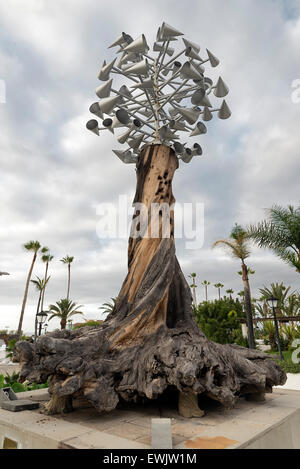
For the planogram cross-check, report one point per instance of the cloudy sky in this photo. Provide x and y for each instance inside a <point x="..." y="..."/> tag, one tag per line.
<point x="54" y="173"/>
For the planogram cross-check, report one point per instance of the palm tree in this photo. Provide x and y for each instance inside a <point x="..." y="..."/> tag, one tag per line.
<point x="68" y="260"/>
<point x="32" y="246"/>
<point x="40" y="285"/>
<point x="205" y="283"/>
<point x="108" y="307"/>
<point x="239" y="249"/>
<point x="64" y="309"/>
<point x="219" y="286"/>
<point x="193" y="287"/>
<point x="280" y="233"/>
<point x="46" y="258"/>
<point x="277" y="290"/>
<point x="230" y="293"/>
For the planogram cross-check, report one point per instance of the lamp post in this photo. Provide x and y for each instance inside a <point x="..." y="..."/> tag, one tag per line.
<point x="45" y="328"/>
<point x="41" y="319"/>
<point x="273" y="303"/>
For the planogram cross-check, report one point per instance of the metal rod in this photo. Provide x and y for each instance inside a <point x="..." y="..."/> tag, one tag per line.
<point x="173" y="94"/>
<point x="173" y="59"/>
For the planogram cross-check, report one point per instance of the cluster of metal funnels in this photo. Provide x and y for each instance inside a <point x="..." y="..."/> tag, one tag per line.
<point x="165" y="95"/>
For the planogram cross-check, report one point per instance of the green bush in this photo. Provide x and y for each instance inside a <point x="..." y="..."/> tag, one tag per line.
<point x="287" y="364"/>
<point x="87" y="323"/>
<point x="220" y="320"/>
<point x="12" y="382"/>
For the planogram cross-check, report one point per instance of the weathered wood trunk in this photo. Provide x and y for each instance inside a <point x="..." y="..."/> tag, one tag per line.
<point x="150" y="343"/>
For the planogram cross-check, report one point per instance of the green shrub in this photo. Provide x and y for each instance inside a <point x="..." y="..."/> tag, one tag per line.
<point x="12" y="382"/>
<point x="220" y="320"/>
<point x="87" y="323"/>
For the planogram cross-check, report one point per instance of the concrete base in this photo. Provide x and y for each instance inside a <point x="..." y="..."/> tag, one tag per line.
<point x="19" y="405"/>
<point x="272" y="424"/>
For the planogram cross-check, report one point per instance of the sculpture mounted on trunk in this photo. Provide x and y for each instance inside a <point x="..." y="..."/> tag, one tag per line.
<point x="150" y="343"/>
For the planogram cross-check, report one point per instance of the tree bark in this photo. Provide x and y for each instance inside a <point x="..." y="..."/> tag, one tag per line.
<point x="248" y="306"/>
<point x="19" y="332"/>
<point x="150" y="343"/>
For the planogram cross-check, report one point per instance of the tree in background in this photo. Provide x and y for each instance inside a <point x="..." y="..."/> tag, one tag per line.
<point x="108" y="307"/>
<point x="193" y="287"/>
<point x="206" y="284"/>
<point x="219" y="286"/>
<point x="40" y="285"/>
<point x="239" y="249"/>
<point x="68" y="261"/>
<point x="280" y="233"/>
<point x="64" y="310"/>
<point x="230" y="292"/>
<point x="31" y="246"/>
<point x="46" y="258"/>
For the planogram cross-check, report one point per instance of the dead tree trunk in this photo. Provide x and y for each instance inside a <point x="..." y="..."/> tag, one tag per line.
<point x="150" y="342"/>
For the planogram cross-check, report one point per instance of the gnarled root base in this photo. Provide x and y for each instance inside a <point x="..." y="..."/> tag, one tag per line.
<point x="80" y="363"/>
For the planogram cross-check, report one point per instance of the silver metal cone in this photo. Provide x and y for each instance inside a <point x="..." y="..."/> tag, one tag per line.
<point x="123" y="138"/>
<point x="224" y="112"/>
<point x="177" y="125"/>
<point x="138" y="46"/>
<point x="105" y="70"/>
<point x="168" y="31"/>
<point x="107" y="104"/>
<point x="192" y="54"/>
<point x="103" y="91"/>
<point x="214" y="61"/>
<point x="190" y="115"/>
<point x="206" y="102"/>
<point x="95" y="109"/>
<point x="199" y="129"/>
<point x="108" y="124"/>
<point x="197" y="150"/>
<point x="187" y="155"/>
<point x="141" y="68"/>
<point x="134" y="143"/>
<point x="188" y="71"/>
<point x="118" y="42"/>
<point x="166" y="134"/>
<point x="198" y="96"/>
<point x="92" y="125"/>
<point x="221" y="89"/>
<point x="125" y="91"/>
<point x="207" y="115"/>
<point x="178" y="147"/>
<point x="121" y="119"/>
<point x="191" y="44"/>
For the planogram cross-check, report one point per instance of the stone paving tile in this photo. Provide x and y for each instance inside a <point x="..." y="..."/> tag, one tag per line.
<point x="101" y="440"/>
<point x="187" y="430"/>
<point x="128" y="430"/>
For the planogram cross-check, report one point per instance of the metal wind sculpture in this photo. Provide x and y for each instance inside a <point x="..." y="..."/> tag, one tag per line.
<point x="150" y="344"/>
<point x="164" y="98"/>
